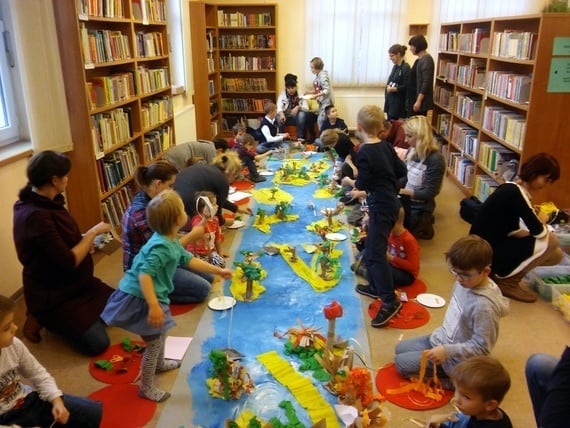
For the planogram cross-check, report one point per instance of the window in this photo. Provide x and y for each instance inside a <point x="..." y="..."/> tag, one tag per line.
<point x="453" y="10"/>
<point x="9" y="130"/>
<point x="353" y="37"/>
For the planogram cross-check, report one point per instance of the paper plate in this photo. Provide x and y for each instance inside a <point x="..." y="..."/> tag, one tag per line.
<point x="430" y="300"/>
<point x="266" y="173"/>
<point x="231" y="190"/>
<point x="221" y="303"/>
<point x="236" y="224"/>
<point x="334" y="236"/>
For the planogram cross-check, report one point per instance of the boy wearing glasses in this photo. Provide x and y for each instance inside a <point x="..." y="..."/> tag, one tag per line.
<point x="471" y="323"/>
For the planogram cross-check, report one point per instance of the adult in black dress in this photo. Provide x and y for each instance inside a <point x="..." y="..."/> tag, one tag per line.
<point x="60" y="290"/>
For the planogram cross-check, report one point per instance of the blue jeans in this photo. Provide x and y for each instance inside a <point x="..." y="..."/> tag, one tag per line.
<point x="408" y="358"/>
<point x="538" y="370"/>
<point x="92" y="342"/>
<point x="303" y="120"/>
<point x="83" y="412"/>
<point x="190" y="286"/>
<point x="266" y="146"/>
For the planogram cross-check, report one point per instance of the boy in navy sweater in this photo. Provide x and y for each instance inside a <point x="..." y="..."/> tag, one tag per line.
<point x="267" y="134"/>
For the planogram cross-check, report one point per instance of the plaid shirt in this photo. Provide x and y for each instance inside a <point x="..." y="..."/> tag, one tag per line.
<point x="135" y="228"/>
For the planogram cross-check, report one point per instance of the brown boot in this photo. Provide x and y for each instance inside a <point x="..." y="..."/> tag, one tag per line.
<point x="511" y="288"/>
<point x="32" y="329"/>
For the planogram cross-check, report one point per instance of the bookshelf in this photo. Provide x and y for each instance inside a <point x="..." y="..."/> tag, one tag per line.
<point x="116" y="68"/>
<point x="493" y="109"/>
<point x="240" y="70"/>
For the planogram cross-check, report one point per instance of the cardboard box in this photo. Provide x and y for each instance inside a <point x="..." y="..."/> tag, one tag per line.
<point x="537" y="275"/>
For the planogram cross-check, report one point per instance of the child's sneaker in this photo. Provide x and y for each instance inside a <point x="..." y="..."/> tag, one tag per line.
<point x="257" y="178"/>
<point x="386" y="313"/>
<point x="366" y="290"/>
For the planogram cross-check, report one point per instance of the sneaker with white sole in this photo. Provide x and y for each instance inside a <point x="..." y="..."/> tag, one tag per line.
<point x="386" y="313"/>
<point x="366" y="290"/>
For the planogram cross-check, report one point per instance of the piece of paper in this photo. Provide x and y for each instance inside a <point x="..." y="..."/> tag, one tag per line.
<point x="175" y="347"/>
<point x="238" y="196"/>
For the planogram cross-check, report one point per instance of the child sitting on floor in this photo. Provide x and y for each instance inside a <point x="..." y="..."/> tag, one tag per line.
<point x="480" y="383"/>
<point x="471" y="323"/>
<point x="332" y="121"/>
<point x="140" y="304"/>
<point x="43" y="403"/>
<point x="208" y="247"/>
<point x="245" y="148"/>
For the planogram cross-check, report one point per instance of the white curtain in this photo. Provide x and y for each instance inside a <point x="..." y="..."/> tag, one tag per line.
<point x="353" y="37"/>
<point x="38" y="59"/>
<point x="453" y="10"/>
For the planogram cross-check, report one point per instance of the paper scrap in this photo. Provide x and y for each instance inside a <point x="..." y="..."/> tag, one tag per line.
<point x="175" y="347"/>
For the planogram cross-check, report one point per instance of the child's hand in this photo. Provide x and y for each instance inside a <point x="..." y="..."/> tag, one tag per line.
<point x="59" y="411"/>
<point x="225" y="273"/>
<point x="437" y="355"/>
<point x="155" y="316"/>
<point x="245" y="210"/>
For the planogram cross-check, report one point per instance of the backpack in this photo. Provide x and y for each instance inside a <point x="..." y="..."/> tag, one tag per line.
<point x="469" y="208"/>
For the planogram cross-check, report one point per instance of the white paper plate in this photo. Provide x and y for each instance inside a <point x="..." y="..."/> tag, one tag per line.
<point x="333" y="236"/>
<point x="430" y="300"/>
<point x="238" y="196"/>
<point x="232" y="189"/>
<point x="221" y="303"/>
<point x="266" y="173"/>
<point x="236" y="224"/>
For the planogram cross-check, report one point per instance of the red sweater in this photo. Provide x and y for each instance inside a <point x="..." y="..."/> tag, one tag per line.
<point x="406" y="252"/>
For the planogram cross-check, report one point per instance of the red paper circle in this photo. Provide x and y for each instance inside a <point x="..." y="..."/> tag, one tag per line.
<point x="389" y="378"/>
<point x="122" y="406"/>
<point x="243" y="185"/>
<point x="176" y="309"/>
<point x="412" y="315"/>
<point x="115" y="376"/>
<point x="415" y="288"/>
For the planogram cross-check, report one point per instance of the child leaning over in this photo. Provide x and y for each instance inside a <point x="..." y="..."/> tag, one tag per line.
<point x="207" y="247"/>
<point x="245" y="148"/>
<point x="471" y="323"/>
<point x="42" y="404"/>
<point x="141" y="304"/>
<point x="480" y="383"/>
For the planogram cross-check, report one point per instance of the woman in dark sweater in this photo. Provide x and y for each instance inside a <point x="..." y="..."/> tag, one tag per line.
<point x="419" y="94"/>
<point x="516" y="231"/>
<point x="60" y="290"/>
<point x="395" y="97"/>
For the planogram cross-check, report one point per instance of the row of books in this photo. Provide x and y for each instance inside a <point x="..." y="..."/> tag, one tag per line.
<point x="108" y="90"/>
<point x="443" y="96"/>
<point x="505" y="124"/>
<point x="475" y="42"/>
<point x="100" y="46"/>
<point x="110" y="128"/>
<point x="447" y="70"/>
<point x="150" y="45"/>
<point x="229" y="121"/>
<point x="156" y="142"/>
<point x="493" y="154"/>
<point x="247" y="41"/>
<point x="238" y="19"/>
<point x="244" y="104"/>
<point x="443" y="124"/>
<point x="514" y="44"/>
<point x="103" y="8"/>
<point x="116" y="167"/>
<point x="152" y="79"/>
<point x="233" y="63"/>
<point x="508" y="85"/>
<point x="468" y="106"/>
<point x="149" y="10"/>
<point x="211" y="63"/>
<point x="483" y="186"/>
<point x="244" y="84"/>
<point x="462" y="168"/>
<point x="465" y="138"/>
<point x="472" y="74"/>
<point x="155" y="111"/>
<point x="115" y="205"/>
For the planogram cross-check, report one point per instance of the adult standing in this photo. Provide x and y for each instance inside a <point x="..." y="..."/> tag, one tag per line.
<point x="215" y="178"/>
<point x="426" y="167"/>
<point x="395" y="96"/>
<point x="292" y="109"/>
<point x="60" y="290"/>
<point x="189" y="286"/>
<point x="322" y="89"/>
<point x="516" y="231"/>
<point x="420" y="88"/>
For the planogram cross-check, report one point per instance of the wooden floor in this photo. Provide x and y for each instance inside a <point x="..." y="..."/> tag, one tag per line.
<point x="528" y="329"/>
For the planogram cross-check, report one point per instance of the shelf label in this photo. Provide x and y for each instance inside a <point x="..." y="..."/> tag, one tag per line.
<point x="561" y="46"/>
<point x="559" y="77"/>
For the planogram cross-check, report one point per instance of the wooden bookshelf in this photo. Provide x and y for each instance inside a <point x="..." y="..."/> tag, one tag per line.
<point x="240" y="71"/>
<point x="116" y="67"/>
<point x="493" y="107"/>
